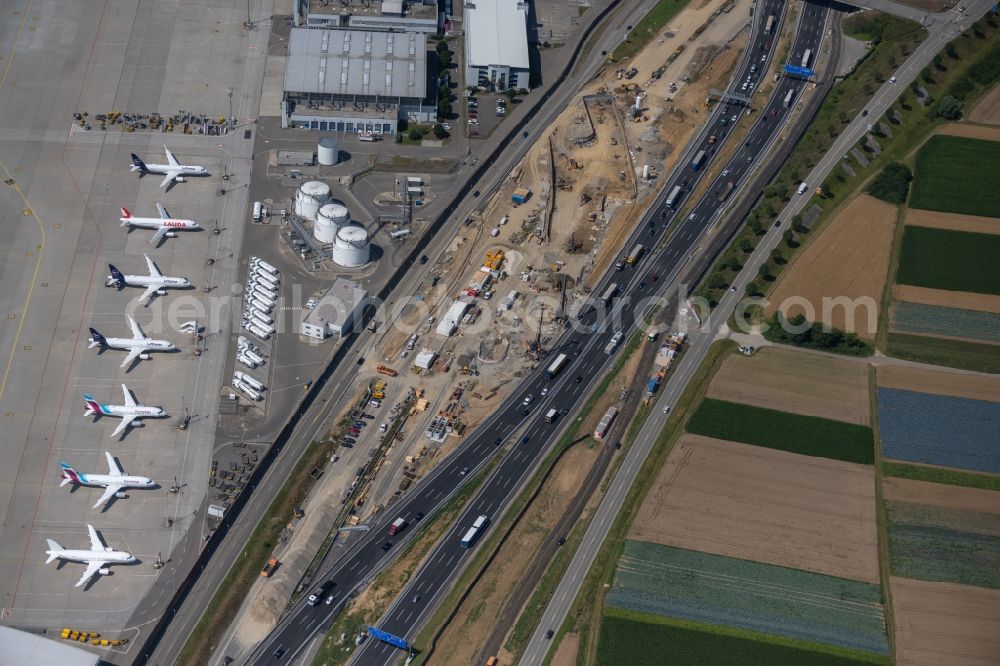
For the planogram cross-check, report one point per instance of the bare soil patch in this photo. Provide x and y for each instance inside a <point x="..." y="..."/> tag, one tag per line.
<point x="971" y="131"/>
<point x="791" y="381"/>
<point x="566" y="652"/>
<point x="945" y="623"/>
<point x="959" y="385"/>
<point x="953" y="221"/>
<point x="939" y="494"/>
<point x="849" y="258"/>
<point x="988" y="109"/>
<point x="764" y="505"/>
<point x="949" y="299"/>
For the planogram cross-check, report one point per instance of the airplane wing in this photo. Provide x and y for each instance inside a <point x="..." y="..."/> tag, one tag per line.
<point x="153" y="270"/>
<point x="95" y="541"/>
<point x="92" y="567"/>
<point x="163" y="211"/>
<point x="137" y="333"/>
<point x="169" y="177"/>
<point x="158" y="236"/>
<point x="171" y="160"/>
<point x="113" y="468"/>
<point x="150" y="290"/>
<point x="129" y="400"/>
<point x="109" y="492"/>
<point x="126" y="422"/>
<point x="131" y="356"/>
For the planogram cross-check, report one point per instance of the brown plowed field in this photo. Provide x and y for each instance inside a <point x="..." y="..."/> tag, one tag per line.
<point x="945" y="623"/>
<point x="971" y="131"/>
<point x="949" y="299"/>
<point x="988" y="109"/>
<point x="959" y="385"/>
<point x="791" y="381"/>
<point x="939" y="494"/>
<point x="953" y="221"/>
<point x="764" y="505"/>
<point x="850" y="258"/>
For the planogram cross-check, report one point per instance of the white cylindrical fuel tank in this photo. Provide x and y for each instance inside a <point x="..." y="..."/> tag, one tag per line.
<point x="326" y="151"/>
<point x="329" y="220"/>
<point x="310" y="197"/>
<point x="351" y="247"/>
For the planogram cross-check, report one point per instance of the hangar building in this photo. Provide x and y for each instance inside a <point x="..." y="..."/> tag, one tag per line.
<point x="496" y="44"/>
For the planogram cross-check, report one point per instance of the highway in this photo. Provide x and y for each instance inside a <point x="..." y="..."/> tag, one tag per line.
<point x="941" y="29"/>
<point x="585" y="343"/>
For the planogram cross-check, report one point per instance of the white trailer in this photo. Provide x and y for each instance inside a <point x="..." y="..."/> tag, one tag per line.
<point x="262" y="333"/>
<point x="267" y="278"/>
<point x="244" y="377"/>
<point x="247" y="361"/>
<point x="264" y="266"/>
<point x="246" y="390"/>
<point x="253" y="356"/>
<point x="263" y="296"/>
<point x="264" y="321"/>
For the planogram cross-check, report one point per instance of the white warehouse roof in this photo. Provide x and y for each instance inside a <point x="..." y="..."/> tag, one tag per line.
<point x="496" y="32"/>
<point x="356" y="62"/>
<point x="21" y="648"/>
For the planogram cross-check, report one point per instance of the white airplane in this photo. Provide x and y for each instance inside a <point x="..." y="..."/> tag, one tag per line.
<point x="166" y="226"/>
<point x="113" y="482"/>
<point x="97" y="558"/>
<point x="137" y="345"/>
<point x="173" y="170"/>
<point x="128" y="412"/>
<point x="155" y="282"/>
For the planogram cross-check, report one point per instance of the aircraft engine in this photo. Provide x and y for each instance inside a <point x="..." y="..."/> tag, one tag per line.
<point x="121" y="494"/>
<point x="179" y="179"/>
<point x="171" y="234"/>
<point x="144" y="356"/>
<point x="104" y="571"/>
<point x="161" y="292"/>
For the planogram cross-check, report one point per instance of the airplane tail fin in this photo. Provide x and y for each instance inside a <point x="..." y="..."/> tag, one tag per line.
<point x="54" y="550"/>
<point x="90" y="406"/>
<point x="69" y="475"/>
<point x="126" y="214"/>
<point x="138" y="164"/>
<point x="116" y="277"/>
<point x="96" y="339"/>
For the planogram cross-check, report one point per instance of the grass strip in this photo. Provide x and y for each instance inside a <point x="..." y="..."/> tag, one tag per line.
<point x="808" y="435"/>
<point x="944" y="351"/>
<point x="637" y="638"/>
<point x="943" y="475"/>
<point x="225" y="604"/>
<point x="648" y="27"/>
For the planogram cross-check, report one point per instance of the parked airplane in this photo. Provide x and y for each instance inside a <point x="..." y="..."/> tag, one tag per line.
<point x="128" y="412"/>
<point x="155" y="282"/>
<point x="137" y="345"/>
<point x="166" y="226"/>
<point x="173" y="170"/>
<point x="113" y="482"/>
<point x="97" y="558"/>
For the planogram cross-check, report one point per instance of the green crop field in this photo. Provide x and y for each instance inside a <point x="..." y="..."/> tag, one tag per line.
<point x="957" y="175"/>
<point x="808" y="435"/>
<point x="944" y="351"/>
<point x="638" y="639"/>
<point x="951" y="260"/>
<point x="951" y="477"/>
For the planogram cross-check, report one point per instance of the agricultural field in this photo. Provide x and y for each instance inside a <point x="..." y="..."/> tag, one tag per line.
<point x="962" y="300"/>
<point x="957" y="175"/>
<point x="764" y="505"/>
<point x="776" y="378"/>
<point x="971" y="223"/>
<point x="641" y="639"/>
<point x="944" y="623"/>
<point x="939" y="430"/>
<point x="936" y="494"/>
<point x="951" y="260"/>
<point x="699" y="587"/>
<point x="949" y="322"/>
<point x="848" y="259"/>
<point x="808" y="435"/>
<point x="953" y="353"/>
<point x="943" y="544"/>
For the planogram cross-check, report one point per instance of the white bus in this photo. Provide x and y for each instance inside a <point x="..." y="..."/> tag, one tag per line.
<point x="473" y="533"/>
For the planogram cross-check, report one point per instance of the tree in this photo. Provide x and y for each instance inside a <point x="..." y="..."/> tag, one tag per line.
<point x="950" y="50"/>
<point x="756" y="226"/>
<point x="440" y="132"/>
<point x="949" y="108"/>
<point x="510" y="94"/>
<point x="753" y="289"/>
<point x="441" y="46"/>
<point x="798" y="223"/>
<point x="777" y="257"/>
<point x="892" y="184"/>
<point x="745" y="245"/>
<point x="789" y="238"/>
<point x="716" y="281"/>
<point x="415" y="134"/>
<point x="733" y="264"/>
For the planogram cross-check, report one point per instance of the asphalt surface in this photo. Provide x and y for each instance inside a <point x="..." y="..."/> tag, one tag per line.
<point x="941" y="28"/>
<point x="586" y="347"/>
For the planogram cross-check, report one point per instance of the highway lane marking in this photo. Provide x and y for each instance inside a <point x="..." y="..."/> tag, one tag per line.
<point x="450" y="560"/>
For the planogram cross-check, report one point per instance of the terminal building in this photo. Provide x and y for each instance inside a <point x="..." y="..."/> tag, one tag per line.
<point x="392" y="15"/>
<point x="356" y="80"/>
<point x="336" y="313"/>
<point x="496" y="44"/>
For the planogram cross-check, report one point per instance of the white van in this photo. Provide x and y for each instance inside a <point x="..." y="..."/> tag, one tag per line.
<point x="803" y="187"/>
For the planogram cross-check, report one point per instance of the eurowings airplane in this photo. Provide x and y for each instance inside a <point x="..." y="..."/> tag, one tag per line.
<point x="155" y="283"/>
<point x="97" y="558"/>
<point x="137" y="345"/>
<point x="128" y="412"/>
<point x="172" y="170"/>
<point x="113" y="482"/>
<point x="166" y="226"/>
